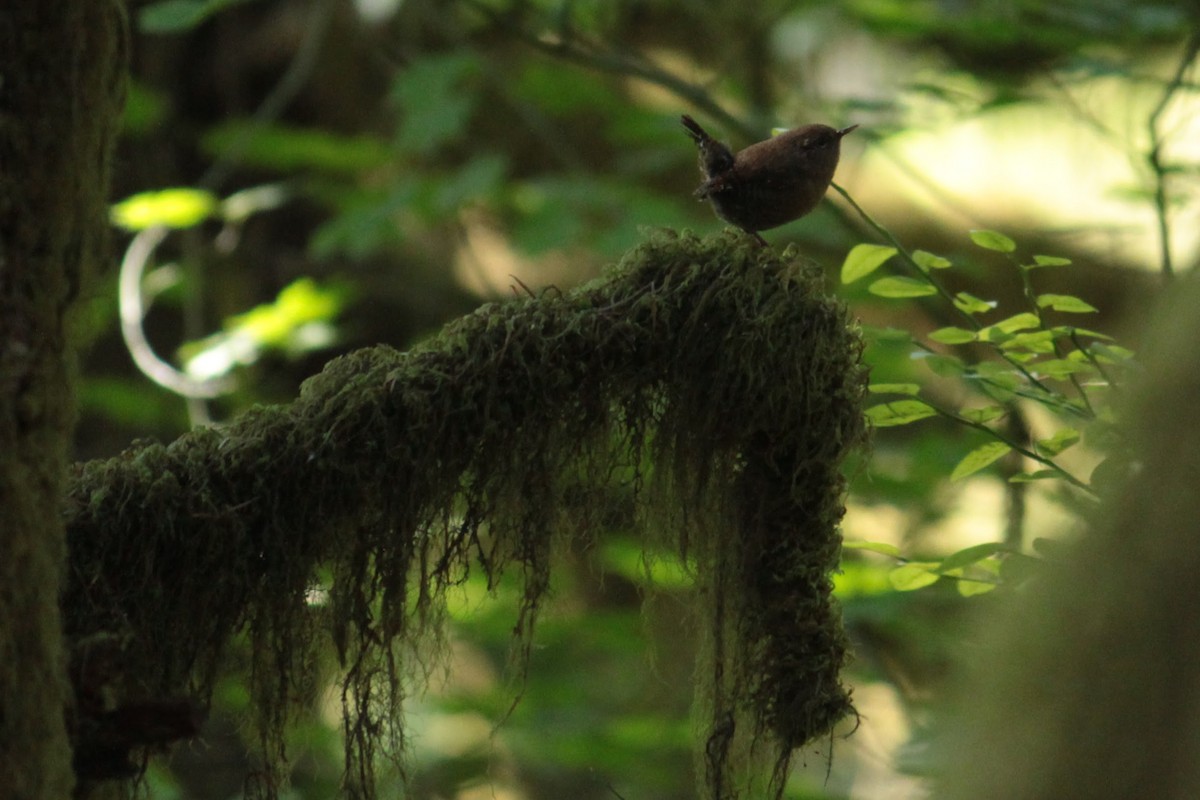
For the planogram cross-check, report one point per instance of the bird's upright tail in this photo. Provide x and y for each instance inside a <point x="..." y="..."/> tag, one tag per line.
<point x="698" y="134"/>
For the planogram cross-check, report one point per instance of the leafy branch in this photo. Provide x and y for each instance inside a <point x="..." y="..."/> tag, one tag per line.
<point x="1032" y="349"/>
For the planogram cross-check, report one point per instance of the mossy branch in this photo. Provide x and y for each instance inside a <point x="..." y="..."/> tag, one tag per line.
<point x="721" y="365"/>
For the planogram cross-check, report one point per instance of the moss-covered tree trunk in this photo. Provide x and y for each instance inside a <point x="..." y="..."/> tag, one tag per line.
<point x="61" y="63"/>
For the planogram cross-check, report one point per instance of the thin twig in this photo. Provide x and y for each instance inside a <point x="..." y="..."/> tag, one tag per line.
<point x="1154" y="157"/>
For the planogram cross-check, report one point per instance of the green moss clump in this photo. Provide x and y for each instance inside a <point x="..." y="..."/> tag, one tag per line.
<point x="721" y="364"/>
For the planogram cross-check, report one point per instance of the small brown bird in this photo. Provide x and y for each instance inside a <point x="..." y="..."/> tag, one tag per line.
<point x="769" y="183"/>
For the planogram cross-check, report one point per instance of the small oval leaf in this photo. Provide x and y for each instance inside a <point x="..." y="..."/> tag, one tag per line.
<point x="979" y="458"/>
<point x="1065" y="302"/>
<point x="969" y="303"/>
<point x="985" y="414"/>
<point x="901" y="288"/>
<point x="952" y="335"/>
<point x="913" y="575"/>
<point x="899" y="412"/>
<point x="874" y="547"/>
<point x="174" y="208"/>
<point x="991" y="240"/>
<point x="1060" y="441"/>
<point x="863" y="259"/>
<point x="970" y="555"/>
<point x="1049" y="261"/>
<point x="928" y="261"/>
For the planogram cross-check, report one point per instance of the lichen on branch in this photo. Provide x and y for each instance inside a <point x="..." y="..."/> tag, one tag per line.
<point x="710" y="379"/>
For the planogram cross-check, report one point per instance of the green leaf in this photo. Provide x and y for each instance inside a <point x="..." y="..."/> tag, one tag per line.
<point x="1111" y="353"/>
<point x="991" y="240"/>
<point x="894" y="388"/>
<point x="1058" y="442"/>
<point x="174" y="208"/>
<point x="979" y="458"/>
<point x="1062" y="368"/>
<point x="971" y="555"/>
<point x="297" y="322"/>
<point x="1065" y="302"/>
<point x="928" y="261"/>
<point x="874" y="547"/>
<point x="1000" y="331"/>
<point x="901" y="288"/>
<point x="952" y="335"/>
<point x="435" y="100"/>
<point x="969" y="588"/>
<point x="985" y="414"/>
<point x="863" y="259"/>
<point x="970" y="304"/>
<point x="913" y="575"/>
<point x="945" y="366"/>
<point x="1018" y="322"/>
<point x="1067" y="330"/>
<point x="898" y="412"/>
<point x="1049" y="261"/>
<point x="1037" y="342"/>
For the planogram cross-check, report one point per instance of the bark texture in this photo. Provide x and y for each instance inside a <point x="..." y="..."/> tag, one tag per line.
<point x="61" y="87"/>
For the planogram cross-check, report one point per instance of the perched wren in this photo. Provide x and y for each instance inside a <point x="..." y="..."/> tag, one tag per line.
<point x="771" y="182"/>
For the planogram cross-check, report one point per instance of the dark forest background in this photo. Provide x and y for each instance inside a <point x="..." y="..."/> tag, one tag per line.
<point x="338" y="174"/>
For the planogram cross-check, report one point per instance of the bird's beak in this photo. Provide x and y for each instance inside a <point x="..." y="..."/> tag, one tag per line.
<point x="844" y="131"/>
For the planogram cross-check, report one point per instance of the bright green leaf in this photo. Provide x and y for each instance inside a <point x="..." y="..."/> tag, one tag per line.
<point x="1067" y="330"/>
<point x="901" y="288"/>
<point x="1036" y="342"/>
<point x="298" y="321"/>
<point x="971" y="555"/>
<point x="894" y="388"/>
<point x="970" y="588"/>
<point x="863" y="259"/>
<point x="174" y="208"/>
<point x="1065" y="302"/>
<point x="898" y="412"/>
<point x="1063" y="368"/>
<point x="970" y="304"/>
<point x="1018" y="322"/>
<point x="928" y="261"/>
<point x="979" y="458"/>
<point x="991" y="240"/>
<point x="1058" y="442"/>
<point x="1049" y="261"/>
<point x="985" y="414"/>
<point x="913" y="575"/>
<point x="874" y="547"/>
<point x="1002" y="330"/>
<point x="952" y="335"/>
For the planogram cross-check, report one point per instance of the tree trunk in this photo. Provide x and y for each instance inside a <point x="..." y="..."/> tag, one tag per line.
<point x="61" y="87"/>
<point x="1090" y="688"/>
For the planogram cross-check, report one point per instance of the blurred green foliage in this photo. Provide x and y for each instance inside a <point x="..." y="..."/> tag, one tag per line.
<point x="550" y="126"/>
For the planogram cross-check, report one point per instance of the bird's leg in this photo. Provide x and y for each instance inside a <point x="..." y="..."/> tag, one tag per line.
<point x="761" y="241"/>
